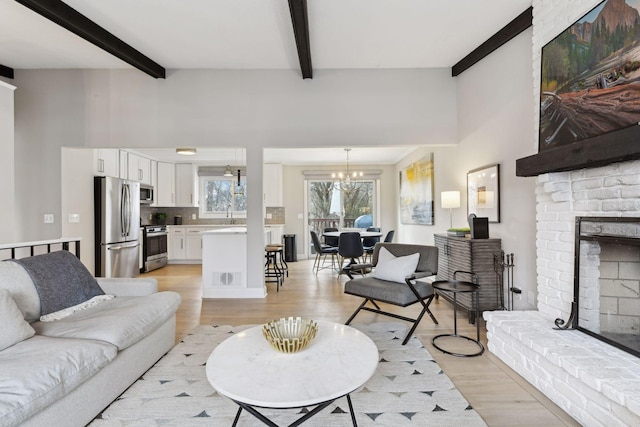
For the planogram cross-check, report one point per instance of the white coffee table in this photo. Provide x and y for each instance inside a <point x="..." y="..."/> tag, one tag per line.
<point x="248" y="371"/>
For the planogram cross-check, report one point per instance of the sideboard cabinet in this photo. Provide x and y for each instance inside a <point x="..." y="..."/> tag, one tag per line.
<point x="475" y="255"/>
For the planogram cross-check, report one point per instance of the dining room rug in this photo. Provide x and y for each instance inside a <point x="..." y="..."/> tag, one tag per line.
<point x="408" y="388"/>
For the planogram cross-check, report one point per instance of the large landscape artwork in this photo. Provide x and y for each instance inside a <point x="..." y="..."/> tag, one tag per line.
<point x="591" y="76"/>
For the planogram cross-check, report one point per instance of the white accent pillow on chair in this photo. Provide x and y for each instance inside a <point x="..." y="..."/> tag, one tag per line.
<point x="395" y="269"/>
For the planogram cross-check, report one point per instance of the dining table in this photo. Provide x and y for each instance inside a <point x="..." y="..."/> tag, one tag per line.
<point x="363" y="233"/>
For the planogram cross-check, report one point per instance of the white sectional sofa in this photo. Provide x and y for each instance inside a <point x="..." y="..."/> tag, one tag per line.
<point x="66" y="371"/>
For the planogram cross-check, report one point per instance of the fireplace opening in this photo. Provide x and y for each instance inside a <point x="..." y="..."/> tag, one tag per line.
<point x="607" y="280"/>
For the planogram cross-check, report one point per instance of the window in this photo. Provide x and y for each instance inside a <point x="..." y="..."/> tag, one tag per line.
<point x="334" y="205"/>
<point x="222" y="197"/>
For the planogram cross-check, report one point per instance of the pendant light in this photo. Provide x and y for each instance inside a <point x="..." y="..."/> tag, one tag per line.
<point x="346" y="179"/>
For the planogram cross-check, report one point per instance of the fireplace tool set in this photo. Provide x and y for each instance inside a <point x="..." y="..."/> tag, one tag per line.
<point x="503" y="266"/>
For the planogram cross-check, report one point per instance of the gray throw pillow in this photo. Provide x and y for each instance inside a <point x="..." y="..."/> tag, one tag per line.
<point x="61" y="280"/>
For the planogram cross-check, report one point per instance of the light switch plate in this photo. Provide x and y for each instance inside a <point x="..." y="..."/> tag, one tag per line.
<point x="48" y="218"/>
<point x="193" y="216"/>
<point x="300" y="216"/>
<point x="269" y="216"/>
<point x="74" y="218"/>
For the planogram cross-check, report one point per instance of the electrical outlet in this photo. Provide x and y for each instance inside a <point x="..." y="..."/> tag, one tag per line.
<point x="48" y="218"/>
<point x="300" y="216"/>
<point x="74" y="218"/>
<point x="150" y="217"/>
<point x="194" y="216"/>
<point x="269" y="216"/>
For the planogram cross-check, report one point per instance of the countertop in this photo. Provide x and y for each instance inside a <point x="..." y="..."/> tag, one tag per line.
<point x="228" y="230"/>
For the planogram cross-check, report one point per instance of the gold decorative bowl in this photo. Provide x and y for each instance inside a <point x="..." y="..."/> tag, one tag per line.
<point x="290" y="334"/>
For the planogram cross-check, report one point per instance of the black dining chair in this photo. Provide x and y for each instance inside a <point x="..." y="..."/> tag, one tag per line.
<point x="330" y="240"/>
<point x="389" y="237"/>
<point x="369" y="242"/>
<point x="321" y="253"/>
<point x="349" y="246"/>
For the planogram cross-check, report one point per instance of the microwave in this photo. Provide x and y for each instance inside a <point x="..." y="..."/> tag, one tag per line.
<point x="146" y="194"/>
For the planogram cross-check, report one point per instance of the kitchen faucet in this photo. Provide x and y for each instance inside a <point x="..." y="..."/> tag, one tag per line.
<point x="229" y="209"/>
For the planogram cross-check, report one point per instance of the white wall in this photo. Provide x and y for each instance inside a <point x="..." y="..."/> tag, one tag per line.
<point x="77" y="198"/>
<point x="7" y="188"/>
<point x="212" y="108"/>
<point x="495" y="125"/>
<point x="208" y="108"/>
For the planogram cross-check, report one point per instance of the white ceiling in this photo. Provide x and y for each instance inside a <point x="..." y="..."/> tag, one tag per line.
<point x="257" y="34"/>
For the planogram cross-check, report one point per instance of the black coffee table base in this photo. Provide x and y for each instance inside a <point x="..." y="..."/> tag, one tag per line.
<point x="253" y="411"/>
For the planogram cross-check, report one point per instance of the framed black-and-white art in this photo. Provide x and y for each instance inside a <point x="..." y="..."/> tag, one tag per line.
<point x="483" y="192"/>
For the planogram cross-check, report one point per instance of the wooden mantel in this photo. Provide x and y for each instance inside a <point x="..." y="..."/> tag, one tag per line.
<point x="602" y="150"/>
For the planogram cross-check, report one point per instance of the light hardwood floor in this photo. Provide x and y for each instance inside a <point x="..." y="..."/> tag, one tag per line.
<point x="499" y="395"/>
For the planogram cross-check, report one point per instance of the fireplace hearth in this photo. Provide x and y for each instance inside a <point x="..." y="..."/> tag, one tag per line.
<point x="606" y="302"/>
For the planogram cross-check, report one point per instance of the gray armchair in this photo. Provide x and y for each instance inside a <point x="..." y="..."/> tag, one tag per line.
<point x="400" y="294"/>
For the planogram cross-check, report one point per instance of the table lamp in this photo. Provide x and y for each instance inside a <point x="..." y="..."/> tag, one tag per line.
<point x="450" y="200"/>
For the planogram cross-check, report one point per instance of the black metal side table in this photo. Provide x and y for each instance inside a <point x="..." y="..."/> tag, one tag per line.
<point x="458" y="286"/>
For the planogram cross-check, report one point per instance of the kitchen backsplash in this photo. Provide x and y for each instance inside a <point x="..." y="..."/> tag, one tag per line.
<point x="277" y="215"/>
<point x="146" y="216"/>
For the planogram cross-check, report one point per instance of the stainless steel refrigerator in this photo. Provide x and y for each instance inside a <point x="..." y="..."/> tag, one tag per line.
<point x="117" y="217"/>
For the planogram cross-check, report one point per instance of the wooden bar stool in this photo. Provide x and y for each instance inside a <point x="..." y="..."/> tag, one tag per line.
<point x="282" y="264"/>
<point x="272" y="272"/>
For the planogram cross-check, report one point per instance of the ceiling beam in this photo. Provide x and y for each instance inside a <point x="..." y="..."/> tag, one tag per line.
<point x="300" y="21"/>
<point x="69" y="18"/>
<point x="512" y="29"/>
<point x="6" y="72"/>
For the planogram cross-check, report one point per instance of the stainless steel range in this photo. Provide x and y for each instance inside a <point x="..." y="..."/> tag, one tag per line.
<point x="154" y="249"/>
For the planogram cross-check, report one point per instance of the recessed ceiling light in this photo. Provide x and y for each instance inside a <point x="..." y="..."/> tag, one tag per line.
<point x="186" y="151"/>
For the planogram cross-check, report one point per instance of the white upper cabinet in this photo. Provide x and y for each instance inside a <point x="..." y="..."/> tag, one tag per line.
<point x="124" y="169"/>
<point x="272" y="184"/>
<point x="166" y="188"/>
<point x="154" y="181"/>
<point x="106" y="162"/>
<point x="186" y="185"/>
<point x="139" y="168"/>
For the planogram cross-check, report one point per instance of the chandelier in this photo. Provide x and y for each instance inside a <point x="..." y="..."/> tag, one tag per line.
<point x="348" y="177"/>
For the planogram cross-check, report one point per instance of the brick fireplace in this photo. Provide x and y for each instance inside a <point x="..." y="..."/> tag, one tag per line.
<point x="596" y="383"/>
<point x="607" y="289"/>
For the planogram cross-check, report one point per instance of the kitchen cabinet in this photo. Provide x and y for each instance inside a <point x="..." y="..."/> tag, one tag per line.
<point x="139" y="168"/>
<point x="124" y="165"/>
<point x="106" y="162"/>
<point x="166" y="186"/>
<point x="154" y="181"/>
<point x="186" y="185"/>
<point x="274" y="235"/>
<point x="194" y="243"/>
<point x="185" y="243"/>
<point x="177" y="249"/>
<point x="272" y="184"/>
<point x="476" y="255"/>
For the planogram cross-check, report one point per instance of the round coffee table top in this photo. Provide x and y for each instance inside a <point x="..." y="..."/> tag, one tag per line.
<point x="245" y="368"/>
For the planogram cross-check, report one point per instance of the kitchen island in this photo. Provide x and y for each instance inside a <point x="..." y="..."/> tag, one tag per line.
<point x="224" y="265"/>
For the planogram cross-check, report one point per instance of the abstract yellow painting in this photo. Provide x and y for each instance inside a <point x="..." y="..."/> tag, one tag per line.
<point x="416" y="192"/>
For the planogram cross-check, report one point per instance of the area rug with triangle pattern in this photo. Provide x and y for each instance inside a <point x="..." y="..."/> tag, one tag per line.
<point x="408" y="388"/>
